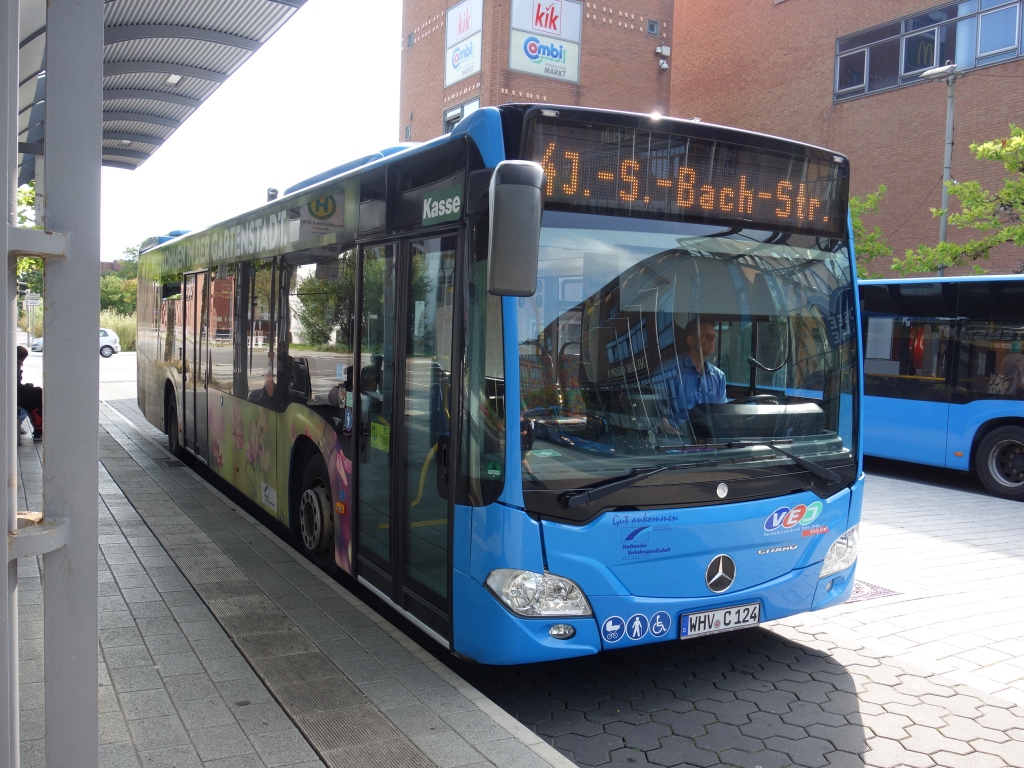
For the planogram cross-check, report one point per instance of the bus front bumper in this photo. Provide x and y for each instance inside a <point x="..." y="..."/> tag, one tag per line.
<point x="487" y="632"/>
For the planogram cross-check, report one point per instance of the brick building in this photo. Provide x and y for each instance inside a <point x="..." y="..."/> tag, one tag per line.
<point x="845" y="75"/>
<point x="458" y="56"/>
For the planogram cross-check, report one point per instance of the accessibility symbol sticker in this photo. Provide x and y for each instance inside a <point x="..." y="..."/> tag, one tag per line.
<point x="612" y="629"/>
<point x="637" y="626"/>
<point x="660" y="623"/>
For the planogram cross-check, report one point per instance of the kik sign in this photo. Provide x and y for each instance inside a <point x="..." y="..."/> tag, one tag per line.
<point x="547" y="16"/>
<point x="560" y="19"/>
<point x="462" y="21"/>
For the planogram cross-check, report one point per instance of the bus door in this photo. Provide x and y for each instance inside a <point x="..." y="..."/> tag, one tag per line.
<point x="196" y="352"/>
<point x="405" y="368"/>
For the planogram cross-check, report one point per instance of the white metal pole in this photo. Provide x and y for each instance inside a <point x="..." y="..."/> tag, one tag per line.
<point x="947" y="161"/>
<point x="74" y="63"/>
<point x="9" y="733"/>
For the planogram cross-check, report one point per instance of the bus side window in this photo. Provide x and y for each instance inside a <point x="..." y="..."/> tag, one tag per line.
<point x="222" y="322"/>
<point x="908" y="342"/>
<point x="256" y="312"/>
<point x="321" y="299"/>
<point x="991" y="359"/>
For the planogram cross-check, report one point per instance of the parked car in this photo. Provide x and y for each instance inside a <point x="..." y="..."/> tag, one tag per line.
<point x="110" y="343"/>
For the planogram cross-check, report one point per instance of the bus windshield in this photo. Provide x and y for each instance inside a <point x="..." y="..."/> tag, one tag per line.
<point x="653" y="343"/>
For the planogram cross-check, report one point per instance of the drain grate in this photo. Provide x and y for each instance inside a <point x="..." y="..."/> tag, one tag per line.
<point x="864" y="591"/>
<point x="173" y="463"/>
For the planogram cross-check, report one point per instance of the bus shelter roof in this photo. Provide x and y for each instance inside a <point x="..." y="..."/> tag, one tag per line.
<point x="161" y="60"/>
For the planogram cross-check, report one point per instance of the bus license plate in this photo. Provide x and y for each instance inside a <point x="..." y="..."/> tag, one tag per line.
<point x="722" y="620"/>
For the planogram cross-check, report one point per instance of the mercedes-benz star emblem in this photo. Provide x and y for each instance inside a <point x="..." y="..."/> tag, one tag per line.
<point x="722" y="490"/>
<point x="721" y="573"/>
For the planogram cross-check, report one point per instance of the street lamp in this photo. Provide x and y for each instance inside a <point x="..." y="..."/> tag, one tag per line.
<point x="950" y="75"/>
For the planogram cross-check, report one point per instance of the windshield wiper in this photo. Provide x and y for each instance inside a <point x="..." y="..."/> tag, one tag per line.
<point x="572" y="499"/>
<point x="822" y="473"/>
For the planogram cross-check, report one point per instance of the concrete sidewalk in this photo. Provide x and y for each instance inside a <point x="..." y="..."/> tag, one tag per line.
<point x="220" y="646"/>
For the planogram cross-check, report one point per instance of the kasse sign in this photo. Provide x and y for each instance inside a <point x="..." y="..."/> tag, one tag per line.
<point x="442" y="205"/>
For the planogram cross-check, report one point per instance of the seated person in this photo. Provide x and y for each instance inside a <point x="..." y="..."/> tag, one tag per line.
<point x="265" y="395"/>
<point x="696" y="380"/>
<point x="371" y="377"/>
<point x="30" y="399"/>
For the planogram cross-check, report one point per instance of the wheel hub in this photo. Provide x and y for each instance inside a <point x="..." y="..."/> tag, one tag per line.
<point x="1006" y="463"/>
<point x="313" y="522"/>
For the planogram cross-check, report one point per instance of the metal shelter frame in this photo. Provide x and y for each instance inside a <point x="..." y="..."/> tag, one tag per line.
<point x="87" y="83"/>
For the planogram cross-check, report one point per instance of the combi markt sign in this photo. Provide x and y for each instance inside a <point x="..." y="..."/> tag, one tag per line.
<point x="462" y="56"/>
<point x="544" y="38"/>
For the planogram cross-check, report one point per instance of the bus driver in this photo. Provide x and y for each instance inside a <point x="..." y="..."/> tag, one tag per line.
<point x="697" y="380"/>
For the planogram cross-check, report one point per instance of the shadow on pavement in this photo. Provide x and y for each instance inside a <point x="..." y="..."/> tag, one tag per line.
<point x="745" y="698"/>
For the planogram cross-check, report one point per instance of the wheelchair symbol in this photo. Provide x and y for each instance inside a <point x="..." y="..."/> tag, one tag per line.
<point x="660" y="623"/>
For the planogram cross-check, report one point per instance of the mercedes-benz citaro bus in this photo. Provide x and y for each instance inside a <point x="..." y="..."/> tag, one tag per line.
<point x="561" y="381"/>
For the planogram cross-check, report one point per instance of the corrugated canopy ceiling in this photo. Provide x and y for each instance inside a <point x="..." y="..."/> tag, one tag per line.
<point x="161" y="60"/>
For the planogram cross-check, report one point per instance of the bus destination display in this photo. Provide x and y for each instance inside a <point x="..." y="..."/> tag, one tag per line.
<point x="614" y="170"/>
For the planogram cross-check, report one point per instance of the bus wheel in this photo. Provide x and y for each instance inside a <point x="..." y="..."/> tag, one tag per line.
<point x="1000" y="462"/>
<point x="173" y="444"/>
<point x="316" y="515"/>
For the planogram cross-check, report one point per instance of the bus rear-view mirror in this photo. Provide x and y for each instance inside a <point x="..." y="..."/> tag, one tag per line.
<point x="515" y="210"/>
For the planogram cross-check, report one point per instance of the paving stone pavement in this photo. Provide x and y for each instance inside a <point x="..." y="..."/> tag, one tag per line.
<point x="173" y="691"/>
<point x="360" y="691"/>
<point x="759" y="697"/>
<point x="955" y="557"/>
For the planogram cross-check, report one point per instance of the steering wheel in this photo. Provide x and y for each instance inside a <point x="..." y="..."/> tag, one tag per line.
<point x="761" y="400"/>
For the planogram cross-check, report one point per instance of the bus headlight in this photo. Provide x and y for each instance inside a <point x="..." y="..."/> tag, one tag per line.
<point x="538" y="594"/>
<point x="841" y="554"/>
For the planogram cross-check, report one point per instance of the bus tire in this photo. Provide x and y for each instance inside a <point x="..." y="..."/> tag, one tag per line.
<point x="316" y="515"/>
<point x="173" y="444"/>
<point x="1000" y="462"/>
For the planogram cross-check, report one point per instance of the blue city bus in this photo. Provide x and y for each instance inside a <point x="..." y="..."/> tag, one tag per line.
<point x="944" y="375"/>
<point x="467" y="373"/>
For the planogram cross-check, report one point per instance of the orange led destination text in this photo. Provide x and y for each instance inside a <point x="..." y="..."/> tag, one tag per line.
<point x="788" y="200"/>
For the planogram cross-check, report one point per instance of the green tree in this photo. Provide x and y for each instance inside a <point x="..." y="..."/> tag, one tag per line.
<point x="869" y="245"/>
<point x="995" y="214"/>
<point x="30" y="268"/>
<point x="129" y="263"/>
<point x="117" y="294"/>
<point x="322" y="305"/>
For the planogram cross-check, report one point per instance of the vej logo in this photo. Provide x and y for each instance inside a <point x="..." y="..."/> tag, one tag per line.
<point x="785" y="518"/>
<point x="547" y="16"/>
<point x="535" y="50"/>
<point x="442" y="205"/>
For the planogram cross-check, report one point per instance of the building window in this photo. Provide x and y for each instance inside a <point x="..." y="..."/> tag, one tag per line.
<point x="455" y="114"/>
<point x="653" y="27"/>
<point x="970" y="34"/>
<point x="409" y="42"/>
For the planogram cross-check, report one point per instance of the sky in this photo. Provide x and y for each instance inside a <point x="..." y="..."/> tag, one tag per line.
<point x="322" y="90"/>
